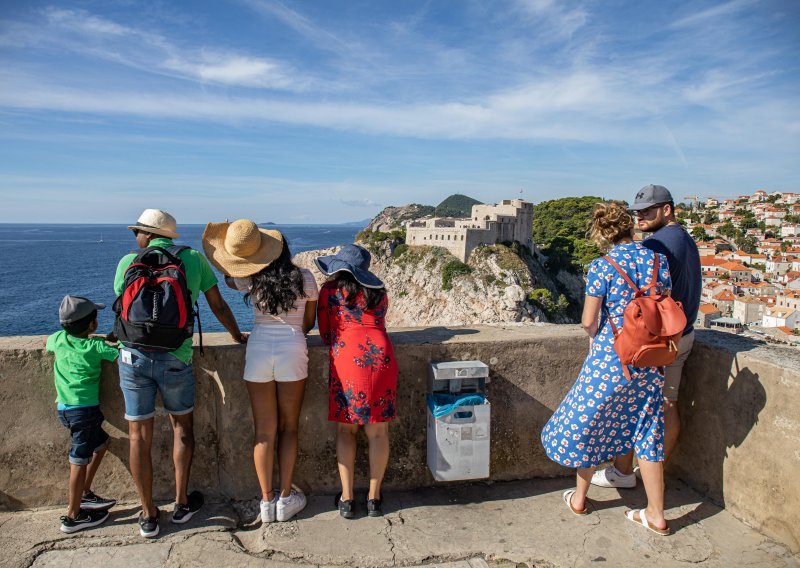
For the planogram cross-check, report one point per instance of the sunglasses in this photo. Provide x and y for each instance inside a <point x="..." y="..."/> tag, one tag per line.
<point x="646" y="212"/>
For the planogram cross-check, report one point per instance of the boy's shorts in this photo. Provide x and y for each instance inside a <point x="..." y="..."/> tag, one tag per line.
<point x="674" y="372"/>
<point x="86" y="426"/>
<point x="144" y="373"/>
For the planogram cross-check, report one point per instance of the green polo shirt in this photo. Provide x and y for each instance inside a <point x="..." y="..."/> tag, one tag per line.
<point x="199" y="276"/>
<point x="77" y="367"/>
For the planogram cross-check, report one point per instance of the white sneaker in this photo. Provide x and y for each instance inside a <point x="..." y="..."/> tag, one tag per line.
<point x="611" y="477"/>
<point x="268" y="510"/>
<point x="288" y="507"/>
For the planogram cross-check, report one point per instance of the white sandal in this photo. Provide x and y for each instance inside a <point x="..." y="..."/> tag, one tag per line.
<point x="645" y="523"/>
<point x="567" y="497"/>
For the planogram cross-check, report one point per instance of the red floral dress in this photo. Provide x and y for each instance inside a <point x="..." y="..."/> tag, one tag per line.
<point x="362" y="387"/>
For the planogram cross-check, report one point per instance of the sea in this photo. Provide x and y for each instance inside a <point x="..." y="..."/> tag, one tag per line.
<point x="40" y="264"/>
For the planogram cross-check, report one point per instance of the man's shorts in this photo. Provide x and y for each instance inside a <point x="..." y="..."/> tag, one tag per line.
<point x="672" y="374"/>
<point x="85" y="424"/>
<point x="143" y="373"/>
<point x="276" y="353"/>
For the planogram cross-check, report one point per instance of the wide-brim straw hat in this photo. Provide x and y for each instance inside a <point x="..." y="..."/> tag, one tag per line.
<point x="353" y="259"/>
<point x="241" y="248"/>
<point x="157" y="222"/>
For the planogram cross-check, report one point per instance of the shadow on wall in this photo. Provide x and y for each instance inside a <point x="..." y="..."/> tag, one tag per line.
<point x="720" y="402"/>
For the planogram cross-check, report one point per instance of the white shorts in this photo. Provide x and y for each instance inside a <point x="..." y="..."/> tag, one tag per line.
<point x="276" y="353"/>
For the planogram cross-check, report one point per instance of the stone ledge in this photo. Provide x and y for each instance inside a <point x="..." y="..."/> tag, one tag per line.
<point x="740" y="444"/>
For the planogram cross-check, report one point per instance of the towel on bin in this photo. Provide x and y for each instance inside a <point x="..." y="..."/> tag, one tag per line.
<point x="442" y="404"/>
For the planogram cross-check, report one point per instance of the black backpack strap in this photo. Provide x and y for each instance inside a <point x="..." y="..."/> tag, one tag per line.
<point x="199" y="328"/>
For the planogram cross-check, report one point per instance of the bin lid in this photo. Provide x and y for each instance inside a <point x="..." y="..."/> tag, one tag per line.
<point x="449" y="370"/>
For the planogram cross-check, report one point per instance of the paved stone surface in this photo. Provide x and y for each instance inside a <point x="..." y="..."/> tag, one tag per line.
<point x="500" y="525"/>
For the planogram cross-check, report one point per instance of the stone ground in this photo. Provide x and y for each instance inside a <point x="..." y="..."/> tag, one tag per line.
<point x="500" y="525"/>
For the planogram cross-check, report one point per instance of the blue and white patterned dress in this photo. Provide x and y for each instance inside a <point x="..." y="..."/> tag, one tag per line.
<point x="603" y="414"/>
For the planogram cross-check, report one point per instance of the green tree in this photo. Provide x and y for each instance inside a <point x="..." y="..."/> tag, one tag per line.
<point x="559" y="228"/>
<point x="711" y="218"/>
<point x="699" y="233"/>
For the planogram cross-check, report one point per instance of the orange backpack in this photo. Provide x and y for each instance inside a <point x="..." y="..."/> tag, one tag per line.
<point x="653" y="325"/>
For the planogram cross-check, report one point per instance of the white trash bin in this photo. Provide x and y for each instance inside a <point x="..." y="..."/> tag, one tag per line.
<point x="459" y="442"/>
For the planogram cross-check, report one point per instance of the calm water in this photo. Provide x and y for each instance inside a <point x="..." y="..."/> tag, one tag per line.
<point x="39" y="264"/>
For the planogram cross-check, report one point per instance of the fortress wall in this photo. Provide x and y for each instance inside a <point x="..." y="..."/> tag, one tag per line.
<point x="740" y="443"/>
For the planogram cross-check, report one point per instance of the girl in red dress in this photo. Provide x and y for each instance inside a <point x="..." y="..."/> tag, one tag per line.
<point x="362" y="388"/>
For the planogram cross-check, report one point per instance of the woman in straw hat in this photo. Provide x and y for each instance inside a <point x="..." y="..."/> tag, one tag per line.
<point x="363" y="381"/>
<point x="284" y="298"/>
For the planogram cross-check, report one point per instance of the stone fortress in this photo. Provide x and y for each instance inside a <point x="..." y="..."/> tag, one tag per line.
<point x="511" y="220"/>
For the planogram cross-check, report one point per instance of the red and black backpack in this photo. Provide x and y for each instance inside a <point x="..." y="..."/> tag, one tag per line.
<point x="154" y="311"/>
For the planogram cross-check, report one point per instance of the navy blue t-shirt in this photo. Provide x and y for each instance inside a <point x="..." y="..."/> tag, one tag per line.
<point x="684" y="268"/>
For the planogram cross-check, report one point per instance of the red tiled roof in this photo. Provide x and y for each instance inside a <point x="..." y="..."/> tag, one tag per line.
<point x="725" y="296"/>
<point x="709" y="308"/>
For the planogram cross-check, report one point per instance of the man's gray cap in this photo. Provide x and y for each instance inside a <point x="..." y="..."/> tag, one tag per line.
<point x="74" y="308"/>
<point x="651" y="195"/>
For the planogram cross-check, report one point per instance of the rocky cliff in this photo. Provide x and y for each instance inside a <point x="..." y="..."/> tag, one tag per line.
<point x="427" y="286"/>
<point x="392" y="218"/>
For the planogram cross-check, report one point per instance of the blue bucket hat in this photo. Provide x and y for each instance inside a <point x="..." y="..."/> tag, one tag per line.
<point x="353" y="259"/>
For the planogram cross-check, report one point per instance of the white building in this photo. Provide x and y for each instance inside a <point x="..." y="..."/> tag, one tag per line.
<point x="508" y="221"/>
<point x="781" y="317"/>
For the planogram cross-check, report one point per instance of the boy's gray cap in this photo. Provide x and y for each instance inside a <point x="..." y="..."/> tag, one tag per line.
<point x="651" y="195"/>
<point x="74" y="308"/>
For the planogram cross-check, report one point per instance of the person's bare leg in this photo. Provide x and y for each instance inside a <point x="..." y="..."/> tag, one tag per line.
<point x="91" y="469"/>
<point x="624" y="463"/>
<point x="290" y="401"/>
<point x="263" y="401"/>
<point x="653" y="478"/>
<point x="378" y="438"/>
<point x="582" y="483"/>
<point x="672" y="427"/>
<point x="77" y="480"/>
<point x="182" y="453"/>
<point x="141" y="438"/>
<point x="346" y="456"/>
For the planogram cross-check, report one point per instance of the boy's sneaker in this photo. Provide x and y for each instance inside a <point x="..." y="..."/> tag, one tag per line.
<point x="148" y="526"/>
<point x="268" y="509"/>
<point x="288" y="507"/>
<point x="91" y="502"/>
<point x="611" y="477"/>
<point x="183" y="513"/>
<point x="83" y="520"/>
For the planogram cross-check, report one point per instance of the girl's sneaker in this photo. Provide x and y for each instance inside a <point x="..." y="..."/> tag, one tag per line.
<point x="268" y="509"/>
<point x="288" y="507"/>
<point x="83" y="520"/>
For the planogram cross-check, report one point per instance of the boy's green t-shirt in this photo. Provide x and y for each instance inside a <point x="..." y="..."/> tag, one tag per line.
<point x="77" y="367"/>
<point x="199" y="277"/>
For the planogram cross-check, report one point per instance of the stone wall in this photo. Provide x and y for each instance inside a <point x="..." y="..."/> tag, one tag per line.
<point x="740" y="443"/>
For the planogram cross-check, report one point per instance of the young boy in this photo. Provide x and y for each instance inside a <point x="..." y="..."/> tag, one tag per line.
<point x="77" y="378"/>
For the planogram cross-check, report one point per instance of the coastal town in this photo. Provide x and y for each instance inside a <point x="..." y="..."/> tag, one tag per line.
<point x="750" y="255"/>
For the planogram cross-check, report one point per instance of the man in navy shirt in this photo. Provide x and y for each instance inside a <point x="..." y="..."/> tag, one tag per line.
<point x="655" y="212"/>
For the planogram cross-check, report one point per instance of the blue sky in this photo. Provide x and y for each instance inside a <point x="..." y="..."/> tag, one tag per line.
<point x="328" y="111"/>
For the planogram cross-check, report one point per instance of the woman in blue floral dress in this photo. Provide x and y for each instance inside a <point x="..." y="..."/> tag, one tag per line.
<point x="363" y="371"/>
<point x="604" y="414"/>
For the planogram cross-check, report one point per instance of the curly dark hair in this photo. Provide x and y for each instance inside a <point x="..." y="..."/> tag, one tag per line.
<point x="275" y="288"/>
<point x="346" y="282"/>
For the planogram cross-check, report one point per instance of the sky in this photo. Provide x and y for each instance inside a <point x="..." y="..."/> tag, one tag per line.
<point x="326" y="112"/>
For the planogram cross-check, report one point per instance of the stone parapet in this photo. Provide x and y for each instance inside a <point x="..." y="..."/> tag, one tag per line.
<point x="740" y="443"/>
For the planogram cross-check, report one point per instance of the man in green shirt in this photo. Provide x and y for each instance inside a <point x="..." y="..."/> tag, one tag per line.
<point x="142" y="373"/>
<point x="76" y="371"/>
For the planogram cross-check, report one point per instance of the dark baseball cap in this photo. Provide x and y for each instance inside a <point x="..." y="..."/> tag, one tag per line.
<point x="651" y="195"/>
<point x="74" y="308"/>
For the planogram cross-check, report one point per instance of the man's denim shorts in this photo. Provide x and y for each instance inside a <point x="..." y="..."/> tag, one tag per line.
<point x="143" y="373"/>
<point x="86" y="426"/>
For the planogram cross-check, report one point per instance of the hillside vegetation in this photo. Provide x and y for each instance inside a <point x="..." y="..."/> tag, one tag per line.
<point x="559" y="229"/>
<point x="457" y="205"/>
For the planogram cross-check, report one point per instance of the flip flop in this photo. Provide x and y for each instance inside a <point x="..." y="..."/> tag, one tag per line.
<point x="567" y="497"/>
<point x="645" y="523"/>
